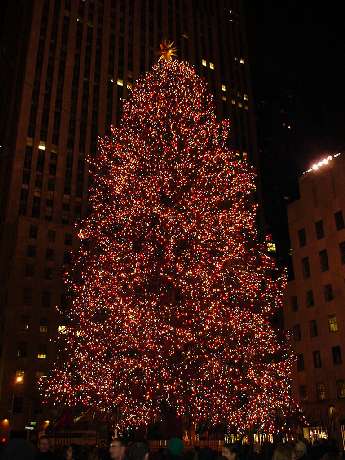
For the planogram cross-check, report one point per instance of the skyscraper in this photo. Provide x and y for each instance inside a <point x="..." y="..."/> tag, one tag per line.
<point x="314" y="311"/>
<point x="69" y="65"/>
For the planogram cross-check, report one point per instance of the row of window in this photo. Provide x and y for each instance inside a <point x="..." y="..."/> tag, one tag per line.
<point x="313" y="328"/>
<point x="319" y="228"/>
<point x="25" y="324"/>
<point x="328" y="295"/>
<point x="31" y="251"/>
<point x="336" y="357"/>
<point x="51" y="235"/>
<point x="45" y="298"/>
<point x="321" y="391"/>
<point x="22" y="351"/>
<point x="323" y="260"/>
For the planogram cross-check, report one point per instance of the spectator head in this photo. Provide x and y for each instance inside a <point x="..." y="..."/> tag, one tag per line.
<point x="230" y="452"/>
<point x="117" y="449"/>
<point x="284" y="452"/>
<point x="138" y="451"/>
<point x="300" y="450"/>
<point x="43" y="444"/>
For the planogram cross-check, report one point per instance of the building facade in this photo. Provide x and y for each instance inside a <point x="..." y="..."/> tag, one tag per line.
<point x="69" y="63"/>
<point x="314" y="310"/>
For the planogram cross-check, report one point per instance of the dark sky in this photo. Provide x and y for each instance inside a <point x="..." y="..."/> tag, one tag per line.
<point x="297" y="56"/>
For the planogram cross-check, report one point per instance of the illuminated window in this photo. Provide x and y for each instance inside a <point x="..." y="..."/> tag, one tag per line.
<point x="224" y="98"/>
<point x="241" y="61"/>
<point x="41" y="355"/>
<point x="240" y="104"/>
<point x="42" y="352"/>
<point x="44" y="329"/>
<point x="19" y="379"/>
<point x="42" y="145"/>
<point x="129" y="85"/>
<point x="204" y="62"/>
<point x="246" y="107"/>
<point x="223" y="87"/>
<point x="119" y="82"/>
<point x="332" y="323"/>
<point x="233" y="101"/>
<point x="211" y="66"/>
<point x="245" y="97"/>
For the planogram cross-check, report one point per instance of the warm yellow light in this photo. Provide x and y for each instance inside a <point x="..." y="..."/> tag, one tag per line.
<point x="223" y="87"/>
<point x="41" y="355"/>
<point x="211" y="66"/>
<point x="62" y="329"/>
<point x="119" y="82"/>
<point x="42" y="146"/>
<point x="204" y="62"/>
<point x="241" y="61"/>
<point x="5" y="421"/>
<point x="19" y="377"/>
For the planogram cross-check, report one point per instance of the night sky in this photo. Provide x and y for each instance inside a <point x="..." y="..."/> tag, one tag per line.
<point x="297" y="57"/>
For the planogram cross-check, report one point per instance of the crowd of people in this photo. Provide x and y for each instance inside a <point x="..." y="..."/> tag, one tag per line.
<point x="20" y="449"/>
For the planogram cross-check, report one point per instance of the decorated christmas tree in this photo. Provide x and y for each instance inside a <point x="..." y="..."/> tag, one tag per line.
<point x="172" y="293"/>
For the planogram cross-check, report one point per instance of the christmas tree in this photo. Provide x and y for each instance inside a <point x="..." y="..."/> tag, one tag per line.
<point x="172" y="291"/>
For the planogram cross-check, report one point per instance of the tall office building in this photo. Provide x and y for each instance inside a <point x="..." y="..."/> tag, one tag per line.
<point x="314" y="310"/>
<point x="66" y="66"/>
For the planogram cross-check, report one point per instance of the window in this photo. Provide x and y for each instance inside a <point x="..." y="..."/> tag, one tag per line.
<point x="296" y="332"/>
<point x="18" y="402"/>
<point x="321" y="391"/>
<point x="67" y="257"/>
<point x="211" y="66"/>
<point x="317" y="359"/>
<point x="44" y="325"/>
<point x="48" y="273"/>
<point x="33" y="232"/>
<point x="303" y="392"/>
<point x="336" y="354"/>
<point x="24" y="323"/>
<point x="319" y="230"/>
<point x="204" y="62"/>
<point x="332" y="323"/>
<point x="68" y="239"/>
<point x="294" y="303"/>
<point x="46" y="299"/>
<point x="27" y="296"/>
<point x="19" y="377"/>
<point x="22" y="350"/>
<point x="51" y="236"/>
<point x="313" y="328"/>
<point x="323" y="260"/>
<point x="341" y="389"/>
<point x="305" y="267"/>
<point x="342" y="252"/>
<point x="339" y="220"/>
<point x="300" y="362"/>
<point x="309" y="298"/>
<point x="328" y="292"/>
<point x="29" y="270"/>
<point x="40" y="374"/>
<point x="50" y="254"/>
<point x="302" y="237"/>
<point x="31" y="251"/>
<point x="42" y="352"/>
